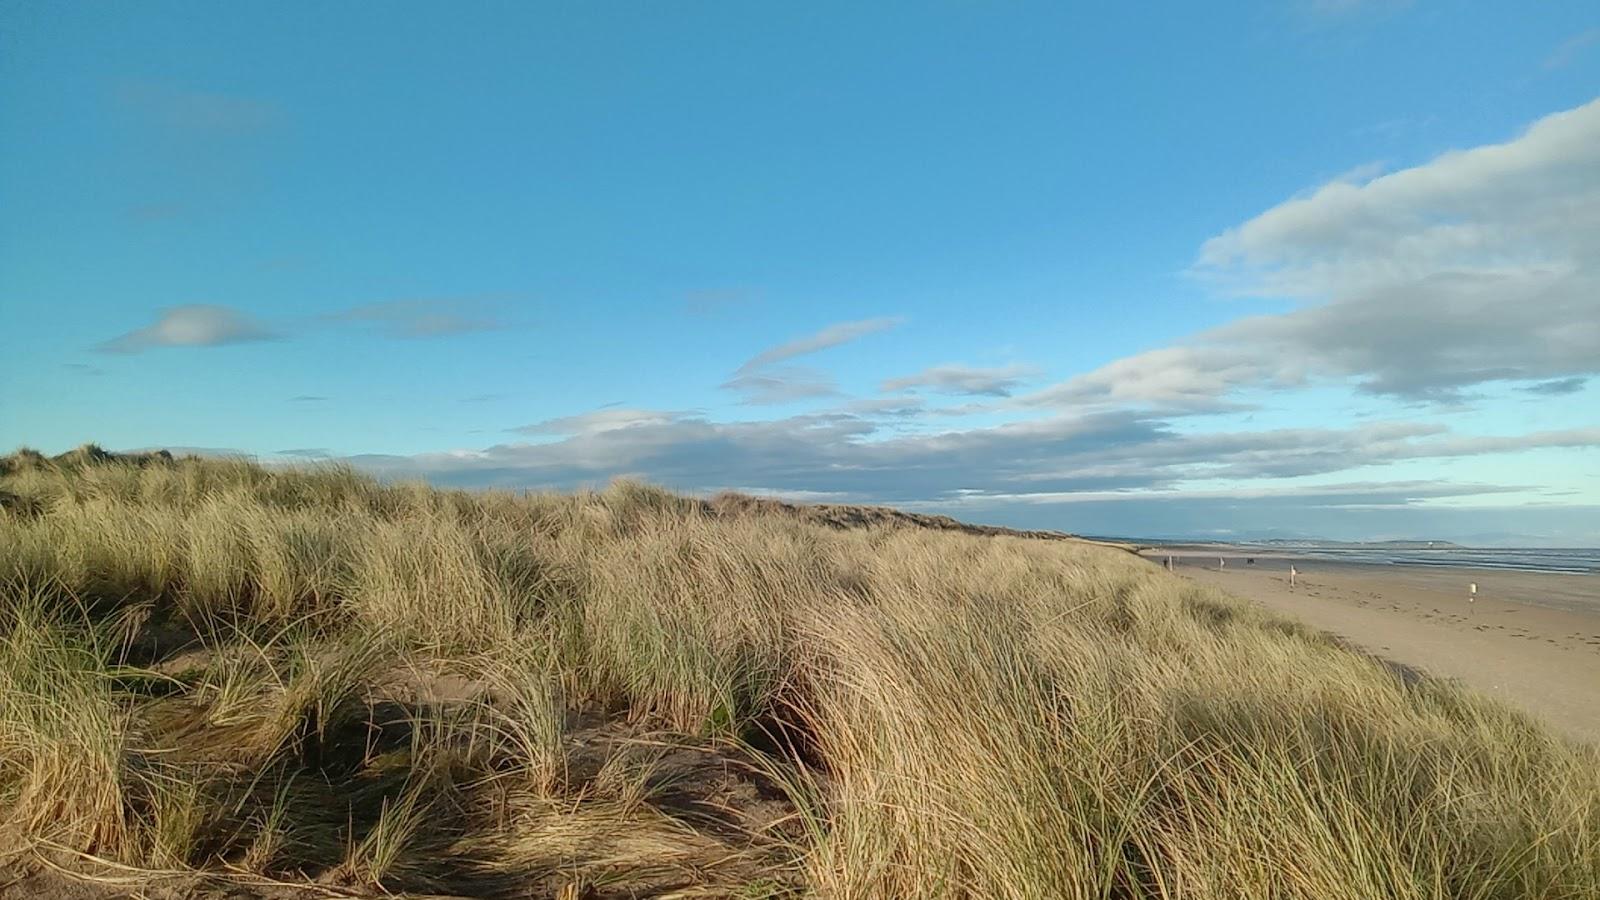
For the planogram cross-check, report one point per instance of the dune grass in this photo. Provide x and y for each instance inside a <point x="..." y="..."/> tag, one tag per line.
<point x="280" y="677"/>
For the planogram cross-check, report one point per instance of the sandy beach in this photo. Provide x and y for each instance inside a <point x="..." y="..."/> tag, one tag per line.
<point x="1531" y="639"/>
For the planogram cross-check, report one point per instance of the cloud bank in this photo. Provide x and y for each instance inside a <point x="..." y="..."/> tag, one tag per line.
<point x="853" y="455"/>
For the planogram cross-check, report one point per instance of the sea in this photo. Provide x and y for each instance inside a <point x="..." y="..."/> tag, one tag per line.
<point x="1566" y="560"/>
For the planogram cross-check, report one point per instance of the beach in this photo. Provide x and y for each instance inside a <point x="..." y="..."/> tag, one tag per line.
<point x="1531" y="639"/>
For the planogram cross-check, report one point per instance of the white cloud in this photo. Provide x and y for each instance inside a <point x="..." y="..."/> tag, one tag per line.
<point x="832" y="336"/>
<point x="998" y="381"/>
<point x="197" y="325"/>
<point x="1482" y="265"/>
<point x="1500" y="208"/>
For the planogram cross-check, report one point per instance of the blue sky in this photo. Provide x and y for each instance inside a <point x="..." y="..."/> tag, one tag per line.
<point x="1319" y="268"/>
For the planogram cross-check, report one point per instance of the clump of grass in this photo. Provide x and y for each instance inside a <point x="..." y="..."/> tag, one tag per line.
<point x="63" y="736"/>
<point x="524" y="719"/>
<point x="686" y="618"/>
<point x="286" y="696"/>
<point x="73" y="775"/>
<point x="425" y="577"/>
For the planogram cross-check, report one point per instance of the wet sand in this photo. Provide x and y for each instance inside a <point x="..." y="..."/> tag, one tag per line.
<point x="1530" y="639"/>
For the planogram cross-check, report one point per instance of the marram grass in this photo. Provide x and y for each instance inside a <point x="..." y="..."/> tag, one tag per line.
<point x="272" y="677"/>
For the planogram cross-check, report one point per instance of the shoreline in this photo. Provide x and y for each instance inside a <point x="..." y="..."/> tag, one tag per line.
<point x="1566" y="591"/>
<point x="1549" y="560"/>
<point x="1529" y="639"/>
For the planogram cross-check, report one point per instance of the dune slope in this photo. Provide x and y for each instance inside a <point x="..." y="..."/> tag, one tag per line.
<point x="281" y="681"/>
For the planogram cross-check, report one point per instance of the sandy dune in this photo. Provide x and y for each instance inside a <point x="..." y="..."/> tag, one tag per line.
<point x="1532" y="640"/>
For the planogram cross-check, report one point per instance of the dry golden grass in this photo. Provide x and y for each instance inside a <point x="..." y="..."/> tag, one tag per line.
<point x="305" y="677"/>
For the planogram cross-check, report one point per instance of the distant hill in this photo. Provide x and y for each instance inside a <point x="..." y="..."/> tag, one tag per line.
<point x="724" y="505"/>
<point x="1391" y="545"/>
<point x="835" y="515"/>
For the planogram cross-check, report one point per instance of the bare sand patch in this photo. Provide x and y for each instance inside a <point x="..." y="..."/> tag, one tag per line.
<point x="1530" y="639"/>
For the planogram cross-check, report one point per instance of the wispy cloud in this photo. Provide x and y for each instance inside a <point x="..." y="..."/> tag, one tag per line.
<point x="210" y="325"/>
<point x="1572" y="48"/>
<point x="781" y="385"/>
<point x="424" y="318"/>
<point x="195" y="325"/>
<point x="197" y="112"/>
<point x="1363" y="493"/>
<point x="719" y="301"/>
<point x="157" y="212"/>
<point x="1556" y="387"/>
<point x="832" y="336"/>
<point x="997" y="381"/>
<point x="900" y="407"/>
<point x="85" y="369"/>
<point x="306" y="398"/>
<point x="763" y="383"/>
<point x="1337" y="10"/>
